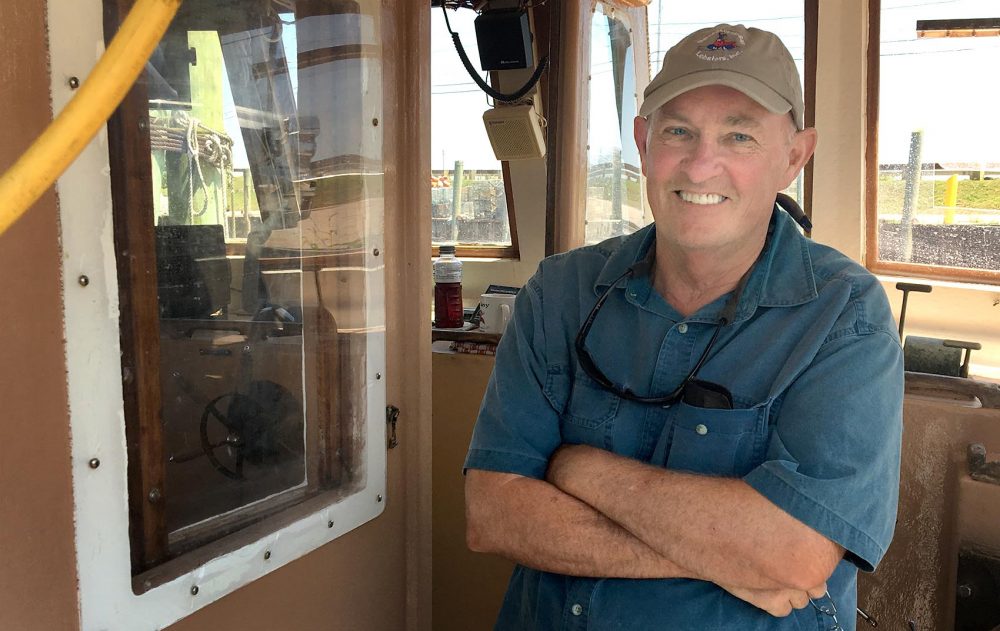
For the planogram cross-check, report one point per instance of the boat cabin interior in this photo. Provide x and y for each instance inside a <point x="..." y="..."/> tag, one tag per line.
<point x="227" y="403"/>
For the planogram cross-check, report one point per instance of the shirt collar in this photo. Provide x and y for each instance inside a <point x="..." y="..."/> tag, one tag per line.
<point x="782" y="277"/>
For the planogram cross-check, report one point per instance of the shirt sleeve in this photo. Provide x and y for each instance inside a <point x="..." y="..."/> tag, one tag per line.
<point x="518" y="425"/>
<point x="833" y="457"/>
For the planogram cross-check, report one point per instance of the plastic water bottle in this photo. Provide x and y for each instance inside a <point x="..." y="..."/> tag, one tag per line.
<point x="448" y="290"/>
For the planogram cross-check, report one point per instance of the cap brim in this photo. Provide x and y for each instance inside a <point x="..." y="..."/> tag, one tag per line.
<point x="755" y="89"/>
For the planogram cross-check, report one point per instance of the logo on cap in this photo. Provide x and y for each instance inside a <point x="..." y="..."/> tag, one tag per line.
<point x="721" y="45"/>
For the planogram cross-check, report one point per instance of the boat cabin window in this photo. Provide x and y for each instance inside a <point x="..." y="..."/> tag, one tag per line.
<point x="615" y="188"/>
<point x="934" y="166"/>
<point x="247" y="176"/>
<point x="471" y="202"/>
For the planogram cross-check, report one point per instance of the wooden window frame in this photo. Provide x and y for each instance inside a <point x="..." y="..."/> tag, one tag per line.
<point x="511" y="251"/>
<point x="539" y="16"/>
<point x="937" y="272"/>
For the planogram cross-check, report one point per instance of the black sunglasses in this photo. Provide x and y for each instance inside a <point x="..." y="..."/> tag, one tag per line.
<point x="692" y="390"/>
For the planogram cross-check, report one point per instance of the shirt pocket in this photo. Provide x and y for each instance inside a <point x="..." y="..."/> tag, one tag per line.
<point x="716" y="442"/>
<point x="590" y="406"/>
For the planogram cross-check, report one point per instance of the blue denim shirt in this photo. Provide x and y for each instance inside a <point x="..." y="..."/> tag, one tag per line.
<point x="815" y="368"/>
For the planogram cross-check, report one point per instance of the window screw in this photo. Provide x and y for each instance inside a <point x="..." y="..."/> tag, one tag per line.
<point x="376" y="252"/>
<point x="94" y="463"/>
<point x="74" y="82"/>
<point x="379" y="498"/>
<point x="154" y="496"/>
<point x="378" y="376"/>
<point x="143" y="124"/>
<point x="267" y="555"/>
<point x="329" y="524"/>
<point x="84" y="280"/>
<point x="194" y="590"/>
<point x="147" y="584"/>
<point x="375" y="122"/>
<point x="126" y="374"/>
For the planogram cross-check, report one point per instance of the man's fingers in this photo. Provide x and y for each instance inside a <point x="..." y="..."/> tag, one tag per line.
<point x="818" y="592"/>
<point x="777" y="602"/>
<point x="798" y="599"/>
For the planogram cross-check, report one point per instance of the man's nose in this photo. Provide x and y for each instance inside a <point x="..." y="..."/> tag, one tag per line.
<point x="702" y="161"/>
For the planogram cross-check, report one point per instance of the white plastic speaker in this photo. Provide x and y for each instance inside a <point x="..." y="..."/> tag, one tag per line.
<point x="515" y="132"/>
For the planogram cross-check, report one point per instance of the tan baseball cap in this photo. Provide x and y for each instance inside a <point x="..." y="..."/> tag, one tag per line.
<point x="750" y="60"/>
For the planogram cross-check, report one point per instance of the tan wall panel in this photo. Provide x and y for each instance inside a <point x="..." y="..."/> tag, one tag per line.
<point x="38" y="574"/>
<point x="468" y="587"/>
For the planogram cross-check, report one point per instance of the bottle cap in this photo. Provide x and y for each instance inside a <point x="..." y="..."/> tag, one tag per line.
<point x="446" y="249"/>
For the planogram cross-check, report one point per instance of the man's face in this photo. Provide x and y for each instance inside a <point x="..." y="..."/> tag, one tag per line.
<point x="714" y="159"/>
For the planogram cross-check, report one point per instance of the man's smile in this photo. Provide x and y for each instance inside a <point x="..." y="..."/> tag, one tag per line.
<point x="701" y="199"/>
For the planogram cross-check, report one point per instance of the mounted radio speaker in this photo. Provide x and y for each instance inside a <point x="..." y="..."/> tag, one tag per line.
<point x="515" y="132"/>
<point x="504" y="39"/>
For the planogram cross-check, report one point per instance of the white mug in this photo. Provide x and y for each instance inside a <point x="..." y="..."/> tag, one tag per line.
<point x="495" y="311"/>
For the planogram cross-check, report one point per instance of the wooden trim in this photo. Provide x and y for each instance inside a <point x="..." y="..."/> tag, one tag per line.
<point x="508" y="191"/>
<point x="406" y="85"/>
<point x="871" y="134"/>
<point x="552" y="104"/>
<point x="937" y="272"/>
<point x="567" y="149"/>
<point x="811" y="12"/>
<point x="135" y="250"/>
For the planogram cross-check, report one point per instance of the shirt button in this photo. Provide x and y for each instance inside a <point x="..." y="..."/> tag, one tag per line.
<point x="701" y="429"/>
<point x="577" y="609"/>
<point x="682" y="328"/>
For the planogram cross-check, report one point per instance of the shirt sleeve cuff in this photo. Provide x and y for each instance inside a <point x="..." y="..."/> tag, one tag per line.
<point x="861" y="549"/>
<point x="506" y="462"/>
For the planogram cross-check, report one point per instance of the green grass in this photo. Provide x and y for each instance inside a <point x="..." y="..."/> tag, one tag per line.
<point x="971" y="194"/>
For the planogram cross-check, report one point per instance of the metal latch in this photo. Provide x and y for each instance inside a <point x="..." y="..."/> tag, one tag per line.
<point x="980" y="468"/>
<point x="391" y="417"/>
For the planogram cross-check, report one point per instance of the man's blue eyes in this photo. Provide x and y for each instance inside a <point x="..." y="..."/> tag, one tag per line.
<point x="737" y="137"/>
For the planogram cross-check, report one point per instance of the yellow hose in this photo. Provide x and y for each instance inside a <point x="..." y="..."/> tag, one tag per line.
<point x="83" y="117"/>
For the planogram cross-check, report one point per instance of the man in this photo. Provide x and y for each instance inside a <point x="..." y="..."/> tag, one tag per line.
<point x="696" y="426"/>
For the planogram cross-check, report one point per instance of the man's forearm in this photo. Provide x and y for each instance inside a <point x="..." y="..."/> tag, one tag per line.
<point x="721" y="528"/>
<point x="535" y="524"/>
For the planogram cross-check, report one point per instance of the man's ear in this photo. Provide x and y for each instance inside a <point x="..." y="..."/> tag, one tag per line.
<point x="640" y="127"/>
<point x="801" y="148"/>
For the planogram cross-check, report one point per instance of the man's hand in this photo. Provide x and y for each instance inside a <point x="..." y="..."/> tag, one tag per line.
<point x="777" y="602"/>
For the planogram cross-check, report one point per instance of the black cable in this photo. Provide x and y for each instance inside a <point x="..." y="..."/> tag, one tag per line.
<point x="499" y="96"/>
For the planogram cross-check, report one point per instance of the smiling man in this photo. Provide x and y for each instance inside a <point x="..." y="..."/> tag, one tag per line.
<point x="696" y="426"/>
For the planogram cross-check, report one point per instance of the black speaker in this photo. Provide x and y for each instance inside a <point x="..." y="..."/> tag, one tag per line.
<point x="504" y="40"/>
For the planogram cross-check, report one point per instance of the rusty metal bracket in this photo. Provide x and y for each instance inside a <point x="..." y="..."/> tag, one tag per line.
<point x="391" y="418"/>
<point x="981" y="469"/>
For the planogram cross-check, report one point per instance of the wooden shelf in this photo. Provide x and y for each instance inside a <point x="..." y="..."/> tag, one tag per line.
<point x="455" y="335"/>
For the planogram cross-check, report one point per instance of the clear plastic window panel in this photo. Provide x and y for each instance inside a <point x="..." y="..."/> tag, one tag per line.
<point x="938" y="139"/>
<point x="614" y="172"/>
<point x="267" y="180"/>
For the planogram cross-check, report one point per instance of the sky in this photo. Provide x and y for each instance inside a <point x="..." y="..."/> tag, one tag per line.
<point x="944" y="87"/>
